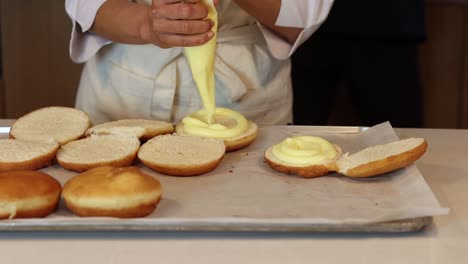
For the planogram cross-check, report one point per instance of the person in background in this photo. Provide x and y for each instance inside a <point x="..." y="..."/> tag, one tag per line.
<point x="135" y="67"/>
<point x="369" y="48"/>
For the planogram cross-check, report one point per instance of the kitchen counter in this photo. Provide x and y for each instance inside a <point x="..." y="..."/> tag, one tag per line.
<point x="444" y="166"/>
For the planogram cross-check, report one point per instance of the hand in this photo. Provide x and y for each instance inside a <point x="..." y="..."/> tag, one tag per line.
<point x="172" y="23"/>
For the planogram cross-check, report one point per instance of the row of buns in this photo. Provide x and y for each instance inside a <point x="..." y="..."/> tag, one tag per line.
<point x="107" y="184"/>
<point x="67" y="136"/>
<point x="103" y="153"/>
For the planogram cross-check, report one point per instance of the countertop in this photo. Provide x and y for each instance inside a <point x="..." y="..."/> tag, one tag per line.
<point x="444" y="167"/>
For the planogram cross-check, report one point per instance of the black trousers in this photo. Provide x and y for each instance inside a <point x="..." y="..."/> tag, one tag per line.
<point x="380" y="75"/>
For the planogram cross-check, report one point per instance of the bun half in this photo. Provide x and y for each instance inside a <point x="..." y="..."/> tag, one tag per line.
<point x="96" y="151"/>
<point x="141" y="128"/>
<point x="305" y="171"/>
<point x="182" y="155"/>
<point x="51" y="124"/>
<point x="26" y="155"/>
<point x="235" y="143"/>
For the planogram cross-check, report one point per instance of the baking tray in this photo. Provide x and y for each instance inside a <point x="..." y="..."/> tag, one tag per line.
<point x="186" y="204"/>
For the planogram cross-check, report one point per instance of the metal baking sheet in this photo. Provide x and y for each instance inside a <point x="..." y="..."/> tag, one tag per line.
<point x="239" y="195"/>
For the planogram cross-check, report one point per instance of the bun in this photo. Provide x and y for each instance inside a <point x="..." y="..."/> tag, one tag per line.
<point x="382" y="158"/>
<point x="28" y="194"/>
<point x="109" y="191"/>
<point x="234" y="143"/>
<point x="95" y="151"/>
<point x="368" y="162"/>
<point x="306" y="171"/>
<point x="182" y="155"/>
<point x="26" y="155"/>
<point x="51" y="124"/>
<point x="141" y="128"/>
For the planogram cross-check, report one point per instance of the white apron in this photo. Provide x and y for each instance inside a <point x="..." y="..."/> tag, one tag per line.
<point x="145" y="81"/>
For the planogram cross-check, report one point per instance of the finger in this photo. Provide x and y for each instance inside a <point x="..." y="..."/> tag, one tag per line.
<point x="169" y="2"/>
<point x="185" y="40"/>
<point x="186" y="27"/>
<point x="181" y="11"/>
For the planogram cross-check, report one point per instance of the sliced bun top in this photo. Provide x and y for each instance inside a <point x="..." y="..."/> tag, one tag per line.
<point x="51" y="124"/>
<point x="21" y="150"/>
<point x="110" y="187"/>
<point x="27" y="194"/>
<point x="20" y="185"/>
<point x="140" y="128"/>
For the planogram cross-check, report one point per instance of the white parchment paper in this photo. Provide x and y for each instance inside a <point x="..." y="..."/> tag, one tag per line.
<point x="243" y="189"/>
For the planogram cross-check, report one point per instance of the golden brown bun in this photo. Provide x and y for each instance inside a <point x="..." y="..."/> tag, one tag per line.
<point x="141" y="128"/>
<point x="28" y="194"/>
<point x="26" y="155"/>
<point x="234" y="143"/>
<point x="381" y="159"/>
<point x="179" y="155"/>
<point x="96" y="151"/>
<point x="110" y="191"/>
<point x="51" y="124"/>
<point x="368" y="162"/>
<point x="307" y="171"/>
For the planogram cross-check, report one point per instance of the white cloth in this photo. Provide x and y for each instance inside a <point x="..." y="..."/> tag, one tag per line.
<point x="144" y="81"/>
<point x="307" y="14"/>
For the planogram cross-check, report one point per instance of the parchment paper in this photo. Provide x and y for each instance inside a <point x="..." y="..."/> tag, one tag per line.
<point x="243" y="189"/>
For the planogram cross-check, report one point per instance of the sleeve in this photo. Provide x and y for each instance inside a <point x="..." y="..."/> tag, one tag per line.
<point x="84" y="44"/>
<point x="306" y="14"/>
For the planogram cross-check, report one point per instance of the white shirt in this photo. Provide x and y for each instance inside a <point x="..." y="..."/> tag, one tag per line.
<point x="252" y="69"/>
<point x="307" y="14"/>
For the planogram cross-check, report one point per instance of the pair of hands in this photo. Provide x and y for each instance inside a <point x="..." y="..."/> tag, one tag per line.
<point x="173" y="23"/>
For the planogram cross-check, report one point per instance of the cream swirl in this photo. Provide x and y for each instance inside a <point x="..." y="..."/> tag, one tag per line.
<point x="227" y="124"/>
<point x="304" y="150"/>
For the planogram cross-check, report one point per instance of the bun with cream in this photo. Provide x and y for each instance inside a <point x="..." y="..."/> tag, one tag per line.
<point x="212" y="122"/>
<point x="182" y="155"/>
<point x="28" y="194"/>
<point x="124" y="192"/>
<point x="291" y="156"/>
<point x="234" y="129"/>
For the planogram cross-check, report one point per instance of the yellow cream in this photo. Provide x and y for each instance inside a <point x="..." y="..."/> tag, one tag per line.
<point x="228" y="124"/>
<point x="304" y="150"/>
<point x="210" y="121"/>
<point x="201" y="60"/>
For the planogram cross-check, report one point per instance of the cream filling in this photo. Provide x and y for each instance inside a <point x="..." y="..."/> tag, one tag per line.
<point x="204" y="122"/>
<point x="201" y="60"/>
<point x="304" y="150"/>
<point x="196" y="124"/>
